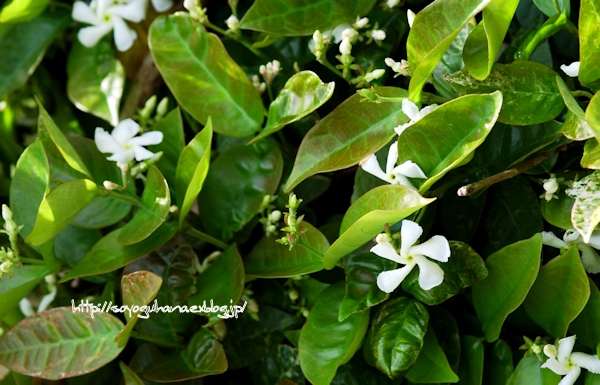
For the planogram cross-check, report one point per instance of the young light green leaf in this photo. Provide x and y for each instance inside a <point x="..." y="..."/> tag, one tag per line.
<point x="59" y="208"/>
<point x="269" y="259"/>
<point x="591" y="155"/>
<point x="18" y="11"/>
<point x="95" y="80"/>
<point x="576" y="126"/>
<point x="347" y="135"/>
<point x="303" y="93"/>
<point x="559" y="293"/>
<point x="585" y="326"/>
<point x="432" y="365"/>
<point x="84" y="343"/>
<point x="433" y="30"/>
<point x="512" y="272"/>
<point x="589" y="43"/>
<point x="171" y="146"/>
<point x="529" y="91"/>
<point x="192" y="168"/>
<point x="212" y="84"/>
<point x="12" y="290"/>
<point x="320" y="357"/>
<point x="151" y="213"/>
<point x="444" y="138"/>
<point x="585" y="214"/>
<point x="592" y="115"/>
<point x="297" y="18"/>
<point x="368" y="214"/>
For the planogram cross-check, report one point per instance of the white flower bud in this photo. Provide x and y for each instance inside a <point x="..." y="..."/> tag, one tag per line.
<point x="376" y="74"/>
<point x="262" y="70"/>
<point x="6" y="213"/>
<point x="110" y="185"/>
<point x="318" y="39"/>
<point x="232" y="23"/>
<point x="378" y="35"/>
<point x="392" y="3"/>
<point x="551" y="185"/>
<point x="572" y="69"/>
<point x="361" y="23"/>
<point x="350" y="33"/>
<point x="345" y="46"/>
<point x="6" y="266"/>
<point x="382" y="238"/>
<point x="410" y="15"/>
<point x="275" y="215"/>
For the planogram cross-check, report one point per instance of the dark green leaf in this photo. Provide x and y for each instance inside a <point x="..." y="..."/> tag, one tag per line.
<point x="446" y="330"/>
<point x="73" y="243"/>
<point x="585" y="326"/>
<point x="589" y="43"/>
<point x="431" y="365"/>
<point x="18" y="11"/>
<point x="358" y="372"/>
<point x="461" y="216"/>
<point x="557" y="212"/>
<point x="592" y="379"/>
<point x="549" y="8"/>
<point x="498" y="364"/>
<point x="530" y="372"/>
<point x="129" y="376"/>
<point x="451" y="62"/>
<point x="279" y="365"/>
<point x="24" y="280"/>
<point x="470" y="370"/>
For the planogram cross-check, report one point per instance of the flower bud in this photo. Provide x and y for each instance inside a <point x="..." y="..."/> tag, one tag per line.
<point x="110" y="185"/>
<point x="361" y="23"/>
<point x="275" y="215"/>
<point x="378" y="34"/>
<point x="382" y="238"/>
<point x="345" y="46"/>
<point x="6" y="266"/>
<point x="410" y="16"/>
<point x="6" y="213"/>
<point x="232" y="23"/>
<point x="163" y="107"/>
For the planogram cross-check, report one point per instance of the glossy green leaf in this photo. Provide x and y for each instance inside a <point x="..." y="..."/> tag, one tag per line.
<point x="347" y="135"/>
<point x="129" y="376"/>
<point x="18" y="11"/>
<point x="512" y="272"/>
<point x="451" y="62"/>
<point x="589" y="43"/>
<point x="358" y="372"/>
<point x="279" y="365"/>
<point x="591" y="378"/>
<point x="529" y="90"/>
<point x="108" y="254"/>
<point x="24" y="280"/>
<point x="470" y="370"/>
<point x="192" y="168"/>
<point x="83" y="343"/>
<point x="464" y="268"/>
<point x="23" y="47"/>
<point x="591" y="155"/>
<point x="203" y="356"/>
<point x="269" y="259"/>
<point x="303" y="93"/>
<point x="362" y="292"/>
<point x="433" y="30"/>
<point x="152" y="211"/>
<point x="483" y="44"/>
<point x="95" y="80"/>
<point x="367" y="215"/>
<point x="557" y="212"/>
<point x="302" y="17"/>
<point x="498" y="365"/>
<point x="320" y="357"/>
<point x="432" y="365"/>
<point x="575" y="126"/>
<point x="530" y="372"/>
<point x="592" y="115"/>
<point x="559" y="293"/>
<point x="171" y="146"/>
<point x="396" y="335"/>
<point x="256" y="171"/>
<point x="444" y="138"/>
<point x="446" y="330"/>
<point x="60" y="207"/>
<point x="212" y="83"/>
<point x="585" y="326"/>
<point x="585" y="214"/>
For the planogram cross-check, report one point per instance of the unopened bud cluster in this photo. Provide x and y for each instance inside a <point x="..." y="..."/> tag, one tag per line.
<point x="269" y="216"/>
<point x="196" y="11"/>
<point x="9" y="256"/>
<point x="533" y="347"/>
<point x="292" y="221"/>
<point x="270" y="70"/>
<point x="145" y="114"/>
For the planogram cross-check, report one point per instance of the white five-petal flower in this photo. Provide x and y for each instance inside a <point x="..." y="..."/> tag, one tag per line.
<point x="572" y="69"/>
<point x="589" y="256"/>
<point x="393" y="174"/>
<point x="411" y="110"/>
<point x="106" y="16"/>
<point x="122" y="143"/>
<point x="430" y="273"/>
<point x="564" y="362"/>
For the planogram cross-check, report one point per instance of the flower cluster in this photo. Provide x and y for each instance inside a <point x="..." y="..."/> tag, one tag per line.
<point x="293" y="228"/>
<point x="269" y="216"/>
<point x="9" y="257"/>
<point x="564" y="362"/>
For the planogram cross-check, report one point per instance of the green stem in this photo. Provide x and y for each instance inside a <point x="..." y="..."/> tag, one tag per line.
<point x="207" y="238"/>
<point x="122" y="197"/>
<point x="420" y="215"/>
<point x="270" y="92"/>
<point x="33" y="261"/>
<point x="576" y="94"/>
<point x="327" y="64"/>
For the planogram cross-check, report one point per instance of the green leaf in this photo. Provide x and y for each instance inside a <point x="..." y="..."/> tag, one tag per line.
<point x="151" y="213"/>
<point x="529" y="90"/>
<point x="592" y="115"/>
<point x="24" y="280"/>
<point x="575" y="126"/>
<point x="529" y="371"/>
<point x="348" y="134"/>
<point x="483" y="44"/>
<point x="432" y="365"/>
<point x="84" y="343"/>
<point x="549" y="8"/>
<point x="585" y="214"/>
<point x="362" y="292"/>
<point x="512" y="272"/>
<point x="95" y="80"/>
<point x="303" y="93"/>
<point x="451" y="62"/>
<point x="171" y="146"/>
<point x="279" y="365"/>
<point x="444" y="138"/>
<point x="368" y="214"/>
<point x="203" y="356"/>
<point x="320" y="357"/>
<point x="225" y="207"/>
<point x="212" y="83"/>
<point x="433" y="30"/>
<point x="470" y="370"/>
<point x="464" y="268"/>
<point x="589" y="43"/>
<point x="269" y="259"/>
<point x="192" y="168"/>
<point x="129" y="376"/>
<point x="18" y="11"/>
<point x="557" y="212"/>
<point x="60" y="207"/>
<point x="585" y="326"/>
<point x="559" y="293"/>
<point x="396" y="336"/>
<point x="302" y="17"/>
<point x="108" y="254"/>
<point x="591" y="155"/>
<point x="499" y="364"/>
<point x="23" y="47"/>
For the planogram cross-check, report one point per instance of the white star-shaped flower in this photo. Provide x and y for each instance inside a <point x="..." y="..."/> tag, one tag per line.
<point x="122" y="143"/>
<point x="393" y="174"/>
<point x="572" y="69"/>
<point x="106" y="16"/>
<point x="411" y="110"/>
<point x="565" y="363"/>
<point x="430" y="273"/>
<point x="589" y="256"/>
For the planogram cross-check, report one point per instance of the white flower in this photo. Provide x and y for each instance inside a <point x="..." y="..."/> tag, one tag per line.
<point x="565" y="363"/>
<point x="550" y="186"/>
<point x="360" y="23"/>
<point x="400" y="68"/>
<point x="589" y="256"/>
<point x="232" y="23"/>
<point x="345" y="46"/>
<point x="411" y="110"/>
<point x="572" y="69"/>
<point x="122" y="143"/>
<point x="162" y="5"/>
<point x="378" y="34"/>
<point x="336" y="33"/>
<point x="410" y="16"/>
<point x="394" y="174"/>
<point x="392" y="3"/>
<point x="376" y="74"/>
<point x="105" y="16"/>
<point x="430" y="273"/>
<point x="351" y="34"/>
<point x="270" y="70"/>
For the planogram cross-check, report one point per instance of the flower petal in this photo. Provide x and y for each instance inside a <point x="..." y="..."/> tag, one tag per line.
<point x="84" y="14"/>
<point x="595" y="240"/>
<point x="590" y="258"/>
<point x="572" y="236"/>
<point x="162" y="5"/>
<point x="105" y="142"/>
<point x="142" y="154"/>
<point x="371" y="165"/>
<point x="410" y="17"/>
<point x="388" y="281"/>
<point x="403" y="181"/>
<point x="386" y="250"/>
<point x="337" y="32"/>
<point x="565" y="347"/>
<point x="124" y="156"/>
<point x="558" y="368"/>
<point x="123" y="35"/>
<point x="426" y="110"/>
<point x="147" y="139"/>
<point x="572" y="69"/>
<point x="89" y="36"/>
<point x="392" y="158"/>
<point x="586" y="361"/>
<point x="430" y="273"/>
<point x="549" y="239"/>
<point x="410" y="109"/>
<point x="46" y="300"/>
<point x="437" y="247"/>
<point x="400" y="129"/>
<point x="410" y="232"/>
<point x="571" y="377"/>
<point x="134" y="11"/>
<point x="410" y="169"/>
<point x="125" y="131"/>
